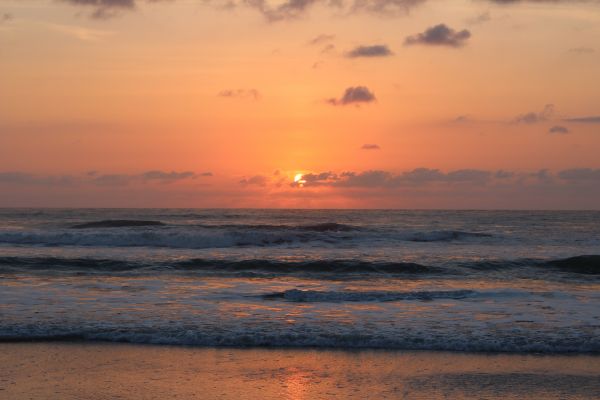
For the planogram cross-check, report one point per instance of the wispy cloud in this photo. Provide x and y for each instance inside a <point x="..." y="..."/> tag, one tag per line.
<point x="595" y="119"/>
<point x="81" y="33"/>
<point x="240" y="93"/>
<point x="370" y="146"/>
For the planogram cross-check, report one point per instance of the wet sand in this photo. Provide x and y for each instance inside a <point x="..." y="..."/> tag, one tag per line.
<point x="123" y="371"/>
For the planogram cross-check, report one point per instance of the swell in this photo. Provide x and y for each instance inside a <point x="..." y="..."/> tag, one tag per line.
<point x="584" y="264"/>
<point x="117" y="223"/>
<point x="406" y="339"/>
<point x="16" y="264"/>
<point x="301" y="296"/>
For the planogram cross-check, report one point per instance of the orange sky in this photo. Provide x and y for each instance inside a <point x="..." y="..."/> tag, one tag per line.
<point x="189" y="103"/>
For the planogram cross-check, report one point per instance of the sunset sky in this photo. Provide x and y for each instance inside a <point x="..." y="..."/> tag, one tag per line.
<point x="300" y="103"/>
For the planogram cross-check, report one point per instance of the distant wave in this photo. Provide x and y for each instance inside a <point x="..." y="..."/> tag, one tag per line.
<point x="109" y="233"/>
<point x="445" y="236"/>
<point x="585" y="264"/>
<point x="117" y="223"/>
<point x="354" y="296"/>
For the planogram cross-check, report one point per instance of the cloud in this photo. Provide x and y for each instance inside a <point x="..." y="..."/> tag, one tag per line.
<point x="97" y="178"/>
<point x="439" y="35"/>
<point x="580" y="175"/>
<point x="167" y="177"/>
<point x="290" y="9"/>
<point x="533" y="117"/>
<point x="370" y="147"/>
<point x="581" y="50"/>
<point x="25" y="178"/>
<point x="321" y="39"/>
<point x="559" y="129"/>
<point x="240" y="93"/>
<point x="258" y="180"/>
<point x="585" y="120"/>
<point x="383" y="7"/>
<point x="480" y="19"/>
<point x="104" y="9"/>
<point x="81" y="33"/>
<point x="462" y="119"/>
<point x="378" y="50"/>
<point x="354" y="95"/>
<point x="272" y="12"/>
<point x="386" y="179"/>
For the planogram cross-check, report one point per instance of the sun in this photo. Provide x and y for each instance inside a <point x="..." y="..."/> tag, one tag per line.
<point x="299" y="180"/>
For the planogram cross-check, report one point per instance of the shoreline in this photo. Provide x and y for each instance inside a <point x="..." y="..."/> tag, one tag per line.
<point x="101" y="370"/>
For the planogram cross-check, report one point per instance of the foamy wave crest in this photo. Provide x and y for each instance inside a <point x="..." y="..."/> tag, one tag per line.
<point x="345" y="337"/>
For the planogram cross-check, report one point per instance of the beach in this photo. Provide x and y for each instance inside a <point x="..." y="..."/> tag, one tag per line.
<point x="49" y="370"/>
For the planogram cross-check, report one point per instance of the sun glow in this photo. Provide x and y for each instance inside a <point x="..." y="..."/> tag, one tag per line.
<point x="299" y="180"/>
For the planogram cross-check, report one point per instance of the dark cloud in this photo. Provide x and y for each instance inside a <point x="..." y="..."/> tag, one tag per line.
<point x="585" y="120"/>
<point x="354" y="95"/>
<point x="240" y="93"/>
<point x="385" y="179"/>
<point x="535" y="117"/>
<point x="290" y="9"/>
<point x="104" y="9"/>
<point x="321" y="39"/>
<point x="370" y="147"/>
<point x="558" y="129"/>
<point x="378" y="50"/>
<point x="580" y="175"/>
<point x="501" y="174"/>
<point x="258" y="180"/>
<point x="439" y="35"/>
<point x="167" y="177"/>
<point x="383" y="7"/>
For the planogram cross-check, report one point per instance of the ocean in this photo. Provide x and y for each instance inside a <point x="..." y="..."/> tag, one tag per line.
<point x="476" y="281"/>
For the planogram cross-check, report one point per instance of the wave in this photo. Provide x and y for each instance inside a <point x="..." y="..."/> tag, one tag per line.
<point x="585" y="264"/>
<point x="296" y="295"/>
<point x="407" y="338"/>
<point x="445" y="236"/>
<point x="108" y="233"/>
<point x="16" y="264"/>
<point x="117" y="223"/>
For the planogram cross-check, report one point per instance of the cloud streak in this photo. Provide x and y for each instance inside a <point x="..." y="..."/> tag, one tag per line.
<point x="96" y="178"/>
<point x="378" y="50"/>
<point x="240" y="93"/>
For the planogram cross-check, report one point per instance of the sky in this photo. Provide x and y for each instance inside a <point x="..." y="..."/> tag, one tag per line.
<point x="450" y="104"/>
